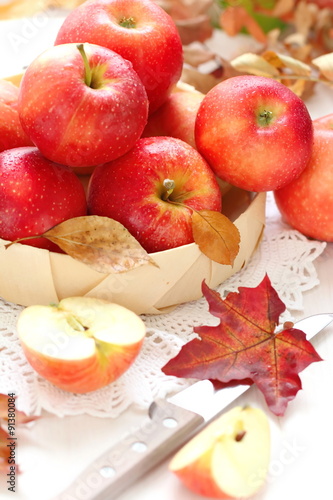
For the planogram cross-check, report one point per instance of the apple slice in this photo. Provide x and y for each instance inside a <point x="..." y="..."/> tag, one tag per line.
<point x="82" y="343"/>
<point x="229" y="458"/>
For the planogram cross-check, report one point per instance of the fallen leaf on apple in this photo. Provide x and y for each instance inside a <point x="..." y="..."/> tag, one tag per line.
<point x="217" y="237"/>
<point x="99" y="242"/>
<point x="229" y="458"/>
<point x="245" y="346"/>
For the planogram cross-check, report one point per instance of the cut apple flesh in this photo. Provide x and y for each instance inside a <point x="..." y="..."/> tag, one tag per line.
<point x="229" y="458"/>
<point x="82" y="343"/>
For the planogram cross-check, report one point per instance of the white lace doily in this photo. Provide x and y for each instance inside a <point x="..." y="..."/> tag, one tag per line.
<point x="284" y="254"/>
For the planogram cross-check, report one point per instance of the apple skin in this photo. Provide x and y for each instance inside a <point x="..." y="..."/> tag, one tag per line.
<point x="324" y="122"/>
<point x="153" y="45"/>
<point x="81" y="344"/>
<point x="307" y="202"/>
<point x="176" y="117"/>
<point x="232" y="134"/>
<point x="72" y="123"/>
<point x="130" y="190"/>
<point x="35" y="195"/>
<point x="12" y="134"/>
<point x="229" y="458"/>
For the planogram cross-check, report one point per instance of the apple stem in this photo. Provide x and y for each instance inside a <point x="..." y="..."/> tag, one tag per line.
<point x="169" y="185"/>
<point x="265" y="117"/>
<point x="87" y="68"/>
<point x="127" y="22"/>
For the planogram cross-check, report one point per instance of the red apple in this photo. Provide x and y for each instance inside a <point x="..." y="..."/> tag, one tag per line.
<point x="82" y="105"/>
<point x="11" y="131"/>
<point x="142" y="188"/>
<point x="176" y="117"/>
<point x="254" y="132"/>
<point x="324" y="122"/>
<point x="82" y="343"/>
<point x="140" y="31"/>
<point x="229" y="458"/>
<point x="307" y="202"/>
<point x="35" y="195"/>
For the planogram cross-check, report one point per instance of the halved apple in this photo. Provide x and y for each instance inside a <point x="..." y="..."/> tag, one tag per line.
<point x="82" y="343"/>
<point x="229" y="458"/>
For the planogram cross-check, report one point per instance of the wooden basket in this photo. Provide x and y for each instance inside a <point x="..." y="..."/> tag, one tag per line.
<point x="30" y="275"/>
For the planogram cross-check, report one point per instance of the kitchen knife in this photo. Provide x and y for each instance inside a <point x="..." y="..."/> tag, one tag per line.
<point x="169" y="424"/>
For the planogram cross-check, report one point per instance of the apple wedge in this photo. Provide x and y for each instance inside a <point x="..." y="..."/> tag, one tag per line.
<point x="82" y="343"/>
<point x="229" y="458"/>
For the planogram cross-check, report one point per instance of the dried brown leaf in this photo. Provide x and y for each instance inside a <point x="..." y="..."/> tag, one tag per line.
<point x="298" y="87"/>
<point x="194" y="29"/>
<point x="283" y="7"/>
<point x="281" y="61"/>
<point x="254" y="64"/>
<point x="231" y="20"/>
<point x="196" y="54"/>
<point x="305" y="17"/>
<point x="217" y="237"/>
<point x="101" y="243"/>
<point x="325" y="65"/>
<point x="186" y="9"/>
<point x="201" y="82"/>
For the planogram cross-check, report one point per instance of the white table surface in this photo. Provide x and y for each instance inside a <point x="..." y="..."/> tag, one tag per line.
<point x="54" y="450"/>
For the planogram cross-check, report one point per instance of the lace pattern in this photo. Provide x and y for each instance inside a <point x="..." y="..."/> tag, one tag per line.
<point x="284" y="254"/>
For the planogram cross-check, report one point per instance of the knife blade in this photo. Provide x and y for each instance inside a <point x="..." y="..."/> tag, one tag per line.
<point x="169" y="424"/>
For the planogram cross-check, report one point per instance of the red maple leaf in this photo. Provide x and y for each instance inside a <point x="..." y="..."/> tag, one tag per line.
<point x="244" y="346"/>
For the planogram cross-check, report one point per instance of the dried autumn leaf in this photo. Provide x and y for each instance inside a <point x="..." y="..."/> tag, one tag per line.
<point x="217" y="237"/>
<point x="99" y="242"/>
<point x="282" y="61"/>
<point x="196" y="54"/>
<point x="233" y="18"/>
<point x="245" y="347"/>
<point x="283" y="7"/>
<point x="194" y="29"/>
<point x="325" y="65"/>
<point x="254" y="64"/>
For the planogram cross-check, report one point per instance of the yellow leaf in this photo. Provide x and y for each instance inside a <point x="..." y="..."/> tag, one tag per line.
<point x="99" y="242"/>
<point x="217" y="237"/>
<point x="325" y="64"/>
<point x="254" y="64"/>
<point x="282" y="61"/>
<point x="298" y="87"/>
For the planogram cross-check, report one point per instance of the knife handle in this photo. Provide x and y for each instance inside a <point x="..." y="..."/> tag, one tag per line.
<point x="167" y="428"/>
